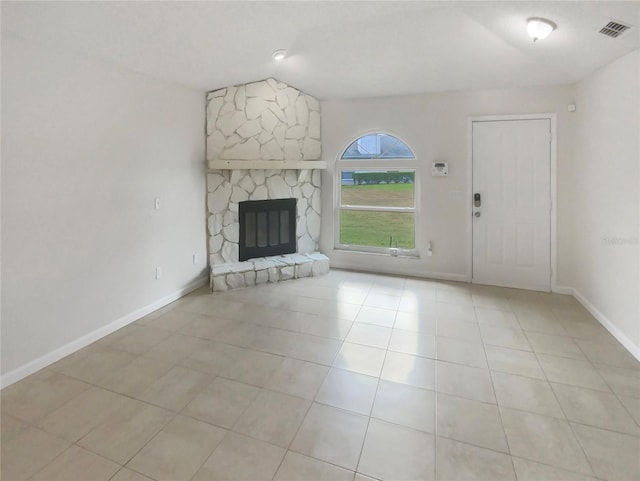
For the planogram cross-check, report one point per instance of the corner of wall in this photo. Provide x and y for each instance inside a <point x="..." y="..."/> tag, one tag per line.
<point x="604" y="258"/>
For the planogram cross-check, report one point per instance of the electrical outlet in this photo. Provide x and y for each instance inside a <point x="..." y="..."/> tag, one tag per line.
<point x="158" y="272"/>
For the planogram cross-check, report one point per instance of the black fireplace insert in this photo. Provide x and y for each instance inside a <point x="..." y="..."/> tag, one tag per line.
<point x="267" y="228"/>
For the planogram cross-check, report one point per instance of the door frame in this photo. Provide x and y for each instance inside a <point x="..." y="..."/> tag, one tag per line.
<point x="553" y="187"/>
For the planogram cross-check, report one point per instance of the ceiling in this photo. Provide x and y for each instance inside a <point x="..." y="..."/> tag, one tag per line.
<point x="336" y="49"/>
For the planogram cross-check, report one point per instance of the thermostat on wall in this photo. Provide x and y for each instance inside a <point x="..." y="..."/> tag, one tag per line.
<point x="440" y="169"/>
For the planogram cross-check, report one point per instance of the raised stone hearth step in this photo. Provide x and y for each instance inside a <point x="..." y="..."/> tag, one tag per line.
<point x="267" y="269"/>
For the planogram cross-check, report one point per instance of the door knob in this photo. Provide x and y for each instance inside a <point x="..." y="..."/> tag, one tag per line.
<point x="477" y="214"/>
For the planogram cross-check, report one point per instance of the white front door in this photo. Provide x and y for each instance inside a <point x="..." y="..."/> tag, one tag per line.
<point x="512" y="203"/>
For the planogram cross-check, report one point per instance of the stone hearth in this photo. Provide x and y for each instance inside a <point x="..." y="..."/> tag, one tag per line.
<point x="268" y="269"/>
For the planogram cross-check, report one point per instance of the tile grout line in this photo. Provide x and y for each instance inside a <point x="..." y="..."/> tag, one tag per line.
<point x="288" y="449"/>
<point x="613" y="391"/>
<point x="495" y="395"/>
<point x="366" y="431"/>
<point x="575" y="436"/>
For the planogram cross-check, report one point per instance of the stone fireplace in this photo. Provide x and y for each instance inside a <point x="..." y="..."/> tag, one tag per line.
<point x="263" y="143"/>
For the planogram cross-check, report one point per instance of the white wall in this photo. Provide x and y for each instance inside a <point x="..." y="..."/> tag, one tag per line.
<point x="86" y="148"/>
<point x="435" y="126"/>
<point x="606" y="207"/>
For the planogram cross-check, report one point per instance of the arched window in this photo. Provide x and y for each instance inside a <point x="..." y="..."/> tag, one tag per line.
<point x="378" y="146"/>
<point x="376" y="194"/>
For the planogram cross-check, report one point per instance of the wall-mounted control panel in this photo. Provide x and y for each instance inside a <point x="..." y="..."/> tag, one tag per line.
<point x="440" y="169"/>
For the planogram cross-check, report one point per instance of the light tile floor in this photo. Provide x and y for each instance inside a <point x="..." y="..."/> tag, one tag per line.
<point x="348" y="376"/>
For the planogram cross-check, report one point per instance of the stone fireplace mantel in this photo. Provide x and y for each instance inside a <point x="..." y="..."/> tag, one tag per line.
<point x="267" y="164"/>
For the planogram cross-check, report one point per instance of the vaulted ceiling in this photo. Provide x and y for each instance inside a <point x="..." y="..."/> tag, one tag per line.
<point x="335" y="49"/>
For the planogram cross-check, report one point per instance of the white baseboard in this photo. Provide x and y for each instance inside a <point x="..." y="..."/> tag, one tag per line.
<point x="568" y="291"/>
<point x="57" y="354"/>
<point x="441" y="276"/>
<point x="608" y="325"/>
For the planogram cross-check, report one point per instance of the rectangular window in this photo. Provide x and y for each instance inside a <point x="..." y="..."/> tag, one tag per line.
<point x="377" y="208"/>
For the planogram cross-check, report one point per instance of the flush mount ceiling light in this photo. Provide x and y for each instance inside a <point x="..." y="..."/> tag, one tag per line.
<point x="279" y="54"/>
<point x="539" y="28"/>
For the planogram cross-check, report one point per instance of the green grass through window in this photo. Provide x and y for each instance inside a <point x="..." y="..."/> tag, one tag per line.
<point x="373" y="229"/>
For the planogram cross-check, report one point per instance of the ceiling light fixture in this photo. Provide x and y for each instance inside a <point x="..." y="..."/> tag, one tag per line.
<point x="539" y="28"/>
<point x="279" y="54"/>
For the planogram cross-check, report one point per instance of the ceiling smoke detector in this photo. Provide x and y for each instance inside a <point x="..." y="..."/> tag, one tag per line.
<point x="539" y="28"/>
<point x="614" y="29"/>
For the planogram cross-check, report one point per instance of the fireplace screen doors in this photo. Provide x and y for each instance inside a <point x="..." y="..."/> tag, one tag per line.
<point x="267" y="228"/>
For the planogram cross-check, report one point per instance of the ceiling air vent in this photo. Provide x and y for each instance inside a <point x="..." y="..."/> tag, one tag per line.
<point x="614" y="29"/>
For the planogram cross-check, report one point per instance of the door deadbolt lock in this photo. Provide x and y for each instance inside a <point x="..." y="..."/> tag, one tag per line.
<point x="477" y="202"/>
<point x="477" y="214"/>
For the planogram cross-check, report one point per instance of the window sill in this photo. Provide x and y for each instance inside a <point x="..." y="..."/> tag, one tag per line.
<point x="402" y="254"/>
